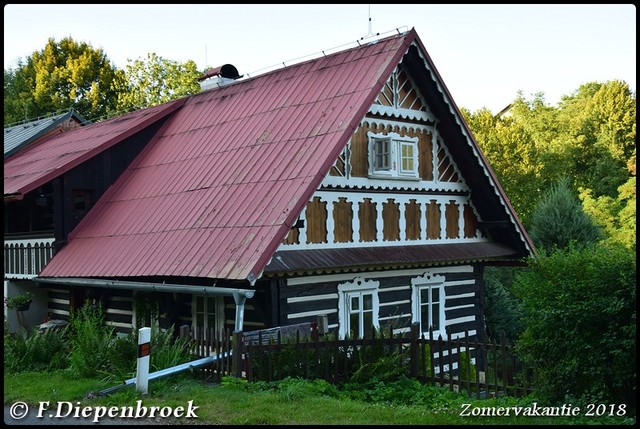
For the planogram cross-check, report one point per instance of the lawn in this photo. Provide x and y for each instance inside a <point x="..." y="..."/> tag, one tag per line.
<point x="294" y="401"/>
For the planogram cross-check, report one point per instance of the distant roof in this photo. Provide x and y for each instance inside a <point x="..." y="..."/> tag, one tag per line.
<point x="36" y="165"/>
<point x="220" y="184"/>
<point x="19" y="136"/>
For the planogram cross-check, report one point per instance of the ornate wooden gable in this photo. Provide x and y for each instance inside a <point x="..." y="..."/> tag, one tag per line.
<point x="395" y="182"/>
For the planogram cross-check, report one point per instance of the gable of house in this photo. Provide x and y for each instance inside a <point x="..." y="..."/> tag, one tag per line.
<point x="396" y="195"/>
<point x="19" y="136"/>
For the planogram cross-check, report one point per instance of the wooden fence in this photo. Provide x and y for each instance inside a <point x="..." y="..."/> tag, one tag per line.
<point x="482" y="369"/>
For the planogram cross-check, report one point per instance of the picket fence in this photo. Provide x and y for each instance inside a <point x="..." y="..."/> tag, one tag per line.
<point x="481" y="369"/>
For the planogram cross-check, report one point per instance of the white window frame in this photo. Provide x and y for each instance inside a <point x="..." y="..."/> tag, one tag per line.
<point x="428" y="281"/>
<point x="394" y="168"/>
<point x="357" y="288"/>
<point x="217" y="304"/>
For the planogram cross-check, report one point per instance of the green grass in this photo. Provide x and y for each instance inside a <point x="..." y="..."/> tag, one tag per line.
<point x="237" y="402"/>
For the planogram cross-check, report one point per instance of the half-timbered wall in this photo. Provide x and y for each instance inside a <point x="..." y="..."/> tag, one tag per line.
<point x="303" y="299"/>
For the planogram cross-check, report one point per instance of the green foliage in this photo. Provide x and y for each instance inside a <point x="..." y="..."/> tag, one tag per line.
<point x="296" y="389"/>
<point x="501" y="313"/>
<point x="558" y="220"/>
<point x="167" y="351"/>
<point x="91" y="340"/>
<point x="590" y="137"/>
<point x="580" y="323"/>
<point x="616" y="216"/>
<point x="63" y="75"/>
<point x="123" y="355"/>
<point x="383" y="368"/>
<point x="36" y="351"/>
<point x="467" y="371"/>
<point x="155" y="80"/>
<point x="19" y="300"/>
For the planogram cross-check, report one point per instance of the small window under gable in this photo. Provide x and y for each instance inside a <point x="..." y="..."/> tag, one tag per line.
<point x="392" y="156"/>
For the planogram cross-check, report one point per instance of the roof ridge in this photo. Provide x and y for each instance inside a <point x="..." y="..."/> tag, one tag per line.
<point x="326" y="52"/>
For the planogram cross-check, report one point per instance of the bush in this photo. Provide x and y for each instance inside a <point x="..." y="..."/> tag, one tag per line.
<point x="580" y="318"/>
<point x="91" y="340"/>
<point x="501" y="312"/>
<point x="167" y="351"/>
<point x="36" y="351"/>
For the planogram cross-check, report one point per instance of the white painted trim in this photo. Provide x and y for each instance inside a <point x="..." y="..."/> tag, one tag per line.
<point x="461" y="282"/>
<point x="458" y="307"/>
<point x="387" y="304"/>
<point x="311" y="313"/>
<point x="392" y="184"/>
<point x="394" y="289"/>
<point x="312" y="298"/>
<point x="379" y="274"/>
<point x="464" y="319"/>
<point x="396" y="316"/>
<point x="462" y="295"/>
<point x="117" y="311"/>
<point x="357" y="286"/>
<point x="119" y="324"/>
<point x="427" y="281"/>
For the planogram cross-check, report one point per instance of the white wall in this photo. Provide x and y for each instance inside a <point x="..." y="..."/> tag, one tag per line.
<point x="37" y="311"/>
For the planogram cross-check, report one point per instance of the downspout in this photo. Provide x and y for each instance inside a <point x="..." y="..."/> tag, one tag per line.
<point x="240" y="299"/>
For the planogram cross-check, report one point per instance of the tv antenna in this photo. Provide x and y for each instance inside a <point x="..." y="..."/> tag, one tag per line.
<point x="370" y="33"/>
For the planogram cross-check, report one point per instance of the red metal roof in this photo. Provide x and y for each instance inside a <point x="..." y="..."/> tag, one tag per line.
<point x="46" y="160"/>
<point x="361" y="258"/>
<point x="220" y="184"/>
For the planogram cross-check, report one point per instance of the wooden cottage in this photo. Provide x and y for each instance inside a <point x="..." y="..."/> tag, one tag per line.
<point x="347" y="186"/>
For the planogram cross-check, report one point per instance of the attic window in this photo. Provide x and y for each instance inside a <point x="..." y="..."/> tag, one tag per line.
<point x="392" y="156"/>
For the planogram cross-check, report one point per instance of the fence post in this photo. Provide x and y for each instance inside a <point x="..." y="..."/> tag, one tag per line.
<point x="236" y="362"/>
<point x="413" y="350"/>
<point x="144" y="352"/>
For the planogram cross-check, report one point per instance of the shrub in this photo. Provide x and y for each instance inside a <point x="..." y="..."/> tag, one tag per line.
<point x="36" y="351"/>
<point x="167" y="351"/>
<point x="580" y="318"/>
<point x="91" y="340"/>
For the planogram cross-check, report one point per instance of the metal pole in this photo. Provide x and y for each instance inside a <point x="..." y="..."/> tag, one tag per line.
<point x="144" y="352"/>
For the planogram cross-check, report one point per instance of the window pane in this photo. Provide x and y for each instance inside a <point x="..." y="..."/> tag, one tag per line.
<point x="211" y="321"/>
<point x="368" y="302"/>
<point x="424" y="295"/>
<point x="436" y="316"/>
<point x="355" y="303"/>
<point x="407" y="163"/>
<point x="354" y="324"/>
<point x="199" y="304"/>
<point x="381" y="148"/>
<point x="435" y="294"/>
<point x="368" y="323"/>
<point x="424" y="317"/>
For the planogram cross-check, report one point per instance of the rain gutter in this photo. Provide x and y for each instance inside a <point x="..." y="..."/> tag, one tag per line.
<point x="239" y="295"/>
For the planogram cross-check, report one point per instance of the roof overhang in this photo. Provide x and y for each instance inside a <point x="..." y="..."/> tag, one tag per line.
<point x="356" y="258"/>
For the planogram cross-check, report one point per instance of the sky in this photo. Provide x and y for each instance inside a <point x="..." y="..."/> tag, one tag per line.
<point x="486" y="54"/>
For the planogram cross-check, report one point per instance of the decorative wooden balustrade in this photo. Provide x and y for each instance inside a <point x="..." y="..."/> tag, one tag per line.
<point x="25" y="258"/>
<point x="349" y="219"/>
